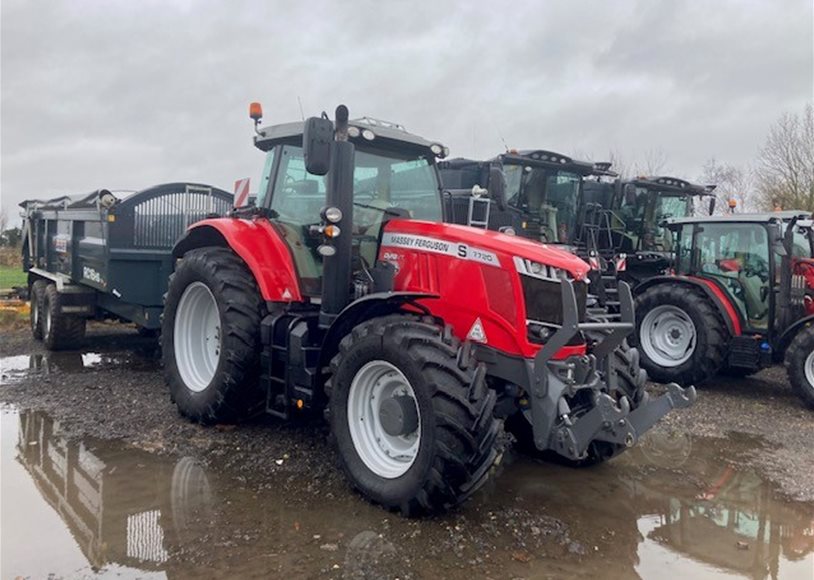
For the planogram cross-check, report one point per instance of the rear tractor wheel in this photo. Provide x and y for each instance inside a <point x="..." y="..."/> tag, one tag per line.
<point x="414" y="430"/>
<point x="800" y="365"/>
<point x="681" y="335"/>
<point x="210" y="337"/>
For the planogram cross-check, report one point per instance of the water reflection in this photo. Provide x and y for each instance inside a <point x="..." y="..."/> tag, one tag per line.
<point x="14" y="368"/>
<point x="132" y="510"/>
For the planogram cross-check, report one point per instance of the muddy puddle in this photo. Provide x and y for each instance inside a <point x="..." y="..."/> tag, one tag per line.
<point x="13" y="368"/>
<point x="674" y="507"/>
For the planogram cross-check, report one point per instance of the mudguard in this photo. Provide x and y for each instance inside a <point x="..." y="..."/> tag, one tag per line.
<point x="370" y="306"/>
<point x="789" y="333"/>
<point x="715" y="294"/>
<point x="258" y="244"/>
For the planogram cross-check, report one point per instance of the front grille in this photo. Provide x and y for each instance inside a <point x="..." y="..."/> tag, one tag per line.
<point x="544" y="300"/>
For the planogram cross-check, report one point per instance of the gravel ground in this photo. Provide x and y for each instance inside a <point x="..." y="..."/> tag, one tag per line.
<point x="122" y="396"/>
<point x="113" y="390"/>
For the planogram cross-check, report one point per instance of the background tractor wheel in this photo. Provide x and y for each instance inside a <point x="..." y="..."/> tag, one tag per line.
<point x="37" y="298"/>
<point x="631" y="380"/>
<point x="59" y="331"/>
<point x="414" y="430"/>
<point x="800" y="364"/>
<point x="681" y="335"/>
<point x="210" y="337"/>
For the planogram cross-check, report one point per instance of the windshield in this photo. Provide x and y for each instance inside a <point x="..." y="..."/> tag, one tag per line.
<point x="643" y="214"/>
<point x="383" y="182"/>
<point x="548" y="196"/>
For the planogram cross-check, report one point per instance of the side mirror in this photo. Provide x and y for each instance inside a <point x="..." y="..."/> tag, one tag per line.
<point x="317" y="136"/>
<point x="497" y="187"/>
<point x="712" y="201"/>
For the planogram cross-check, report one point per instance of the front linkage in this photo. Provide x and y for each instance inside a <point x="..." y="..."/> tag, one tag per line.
<point x="617" y="421"/>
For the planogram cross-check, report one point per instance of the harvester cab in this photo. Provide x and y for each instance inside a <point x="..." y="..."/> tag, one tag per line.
<point x="343" y="291"/>
<point x="739" y="294"/>
<point x="539" y="197"/>
<point x="626" y="219"/>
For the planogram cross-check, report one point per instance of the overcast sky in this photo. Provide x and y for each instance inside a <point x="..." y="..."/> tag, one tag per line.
<point x="125" y="94"/>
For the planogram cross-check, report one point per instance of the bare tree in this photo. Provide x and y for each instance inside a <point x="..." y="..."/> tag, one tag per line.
<point x="732" y="182"/>
<point x="785" y="166"/>
<point x="653" y="163"/>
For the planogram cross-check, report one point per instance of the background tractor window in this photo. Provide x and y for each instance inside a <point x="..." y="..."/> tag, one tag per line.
<point x="737" y="256"/>
<point x="550" y="196"/>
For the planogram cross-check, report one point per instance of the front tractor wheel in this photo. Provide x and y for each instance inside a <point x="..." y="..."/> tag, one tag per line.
<point x="210" y="337"/>
<point x="800" y="365"/>
<point x="414" y="430"/>
<point x="681" y="335"/>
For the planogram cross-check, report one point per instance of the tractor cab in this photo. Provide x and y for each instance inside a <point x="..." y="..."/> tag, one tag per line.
<point x="540" y="197"/>
<point x="642" y="204"/>
<point x="394" y="175"/>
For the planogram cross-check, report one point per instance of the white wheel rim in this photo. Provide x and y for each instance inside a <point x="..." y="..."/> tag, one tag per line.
<point x="388" y="456"/>
<point x="667" y="335"/>
<point x="809" y="369"/>
<point x="196" y="336"/>
<point x="35" y="312"/>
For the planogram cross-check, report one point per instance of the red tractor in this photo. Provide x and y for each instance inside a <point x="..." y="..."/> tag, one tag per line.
<point x="740" y="297"/>
<point x="342" y="290"/>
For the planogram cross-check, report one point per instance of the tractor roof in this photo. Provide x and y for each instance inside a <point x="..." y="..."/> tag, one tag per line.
<point x="542" y="158"/>
<point x="385" y="133"/>
<point x="753" y="218"/>
<point x="672" y="184"/>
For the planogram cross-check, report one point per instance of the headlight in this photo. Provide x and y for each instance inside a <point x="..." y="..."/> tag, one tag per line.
<point x="537" y="270"/>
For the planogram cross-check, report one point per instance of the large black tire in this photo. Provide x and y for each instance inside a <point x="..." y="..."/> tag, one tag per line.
<point x="233" y="392"/>
<point x="37" y="299"/>
<point x="458" y="429"/>
<point x="60" y="331"/>
<point x="631" y="380"/>
<point x="711" y="334"/>
<point x="797" y="357"/>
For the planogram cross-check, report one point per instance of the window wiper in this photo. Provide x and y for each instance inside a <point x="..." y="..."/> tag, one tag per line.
<point x="381" y="209"/>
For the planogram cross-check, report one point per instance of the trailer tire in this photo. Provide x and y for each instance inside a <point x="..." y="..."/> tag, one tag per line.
<point x="60" y="331"/>
<point x="799" y="362"/>
<point x="446" y="445"/>
<point x="37" y="299"/>
<point x="691" y="313"/>
<point x="228" y="390"/>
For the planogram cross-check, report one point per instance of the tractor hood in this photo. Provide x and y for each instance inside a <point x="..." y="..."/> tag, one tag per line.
<point x="479" y="245"/>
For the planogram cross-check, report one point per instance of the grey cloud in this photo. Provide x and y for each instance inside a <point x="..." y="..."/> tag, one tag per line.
<point x="127" y="94"/>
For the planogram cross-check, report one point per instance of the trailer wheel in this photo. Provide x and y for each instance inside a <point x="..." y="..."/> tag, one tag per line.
<point x="681" y="335"/>
<point x="415" y="432"/>
<point x="630" y="381"/>
<point x="800" y="365"/>
<point x="60" y="331"/>
<point x="210" y="337"/>
<point x="37" y="298"/>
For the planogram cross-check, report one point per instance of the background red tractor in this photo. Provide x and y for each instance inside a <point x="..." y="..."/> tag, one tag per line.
<point x="343" y="290"/>
<point x="739" y="299"/>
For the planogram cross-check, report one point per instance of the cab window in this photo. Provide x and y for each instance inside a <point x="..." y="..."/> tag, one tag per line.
<point x="737" y="256"/>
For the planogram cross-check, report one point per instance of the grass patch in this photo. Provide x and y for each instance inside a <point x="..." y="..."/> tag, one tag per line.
<point x="11" y="276"/>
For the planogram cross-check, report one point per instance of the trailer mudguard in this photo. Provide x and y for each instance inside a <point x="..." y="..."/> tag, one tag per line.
<point x="258" y="244"/>
<point x="715" y="294"/>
